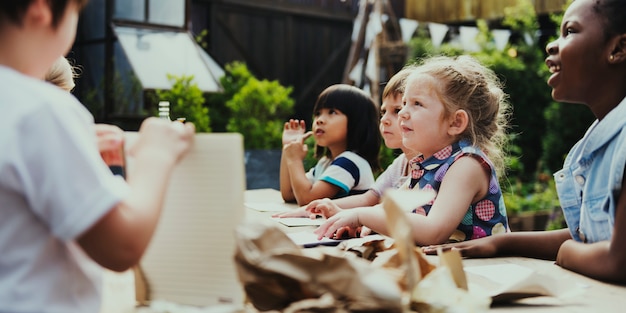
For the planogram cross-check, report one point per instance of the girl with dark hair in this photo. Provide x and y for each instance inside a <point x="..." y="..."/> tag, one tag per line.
<point x="347" y="143"/>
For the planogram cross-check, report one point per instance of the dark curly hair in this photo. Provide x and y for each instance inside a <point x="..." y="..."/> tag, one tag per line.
<point x="613" y="13"/>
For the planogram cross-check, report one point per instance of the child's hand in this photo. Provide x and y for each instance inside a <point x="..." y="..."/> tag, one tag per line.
<point x="485" y="247"/>
<point x="299" y="212"/>
<point x="295" y="150"/>
<point x="345" y="218"/>
<point x="164" y="139"/>
<point x="110" y="137"/>
<point x="365" y="231"/>
<point x="295" y="131"/>
<point x="348" y="232"/>
<point x="324" y="207"/>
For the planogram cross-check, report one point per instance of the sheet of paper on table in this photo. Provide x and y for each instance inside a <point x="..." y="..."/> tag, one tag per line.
<point x="269" y="206"/>
<point x="308" y="239"/>
<point x="299" y="221"/>
<point x="509" y="282"/>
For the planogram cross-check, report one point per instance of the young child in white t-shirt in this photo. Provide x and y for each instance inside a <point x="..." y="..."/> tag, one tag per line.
<point x="64" y="214"/>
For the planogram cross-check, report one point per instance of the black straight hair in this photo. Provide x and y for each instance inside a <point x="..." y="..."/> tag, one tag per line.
<point x="362" y="113"/>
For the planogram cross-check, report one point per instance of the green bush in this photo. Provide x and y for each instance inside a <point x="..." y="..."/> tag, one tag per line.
<point x="187" y="101"/>
<point x="236" y="75"/>
<point x="258" y="109"/>
<point x="539" y="196"/>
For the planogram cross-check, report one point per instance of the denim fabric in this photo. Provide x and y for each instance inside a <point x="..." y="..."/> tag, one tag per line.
<point x="591" y="178"/>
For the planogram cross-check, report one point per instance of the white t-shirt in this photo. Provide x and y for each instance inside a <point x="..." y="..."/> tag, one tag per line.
<point x="348" y="171"/>
<point x="53" y="187"/>
<point x="393" y="177"/>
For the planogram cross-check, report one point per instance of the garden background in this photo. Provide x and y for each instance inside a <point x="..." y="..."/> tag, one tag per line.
<point x="541" y="134"/>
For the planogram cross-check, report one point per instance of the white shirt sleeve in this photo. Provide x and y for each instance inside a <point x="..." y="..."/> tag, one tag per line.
<point x="61" y="172"/>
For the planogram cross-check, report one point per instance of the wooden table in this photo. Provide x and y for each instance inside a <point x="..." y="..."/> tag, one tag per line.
<point x="595" y="296"/>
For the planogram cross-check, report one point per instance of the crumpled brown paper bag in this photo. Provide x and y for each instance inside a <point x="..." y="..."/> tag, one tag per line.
<point x="278" y="275"/>
<point x="441" y="289"/>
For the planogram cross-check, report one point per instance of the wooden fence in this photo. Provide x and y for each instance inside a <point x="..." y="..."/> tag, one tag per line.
<point x="306" y="43"/>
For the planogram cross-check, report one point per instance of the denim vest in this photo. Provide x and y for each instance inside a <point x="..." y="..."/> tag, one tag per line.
<point x="591" y="179"/>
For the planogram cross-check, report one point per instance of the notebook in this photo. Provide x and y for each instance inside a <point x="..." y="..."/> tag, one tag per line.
<point x="190" y="258"/>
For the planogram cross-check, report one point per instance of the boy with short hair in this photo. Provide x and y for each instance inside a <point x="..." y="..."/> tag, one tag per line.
<point x="63" y="212"/>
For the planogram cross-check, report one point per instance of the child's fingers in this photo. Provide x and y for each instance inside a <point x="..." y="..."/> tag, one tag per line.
<point x="102" y="129"/>
<point x="109" y="142"/>
<point x="311" y="206"/>
<point x="110" y="137"/>
<point x="325" y="229"/>
<point x="334" y="225"/>
<point x="306" y="135"/>
<point x="365" y="231"/>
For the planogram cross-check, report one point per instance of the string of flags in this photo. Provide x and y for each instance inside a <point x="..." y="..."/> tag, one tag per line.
<point x="365" y="67"/>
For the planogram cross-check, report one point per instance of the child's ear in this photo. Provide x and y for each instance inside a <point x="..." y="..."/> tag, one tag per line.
<point x="458" y="122"/>
<point x="618" y="54"/>
<point x="39" y="13"/>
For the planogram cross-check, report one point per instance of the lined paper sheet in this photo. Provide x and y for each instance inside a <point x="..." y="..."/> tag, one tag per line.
<point x="190" y="258"/>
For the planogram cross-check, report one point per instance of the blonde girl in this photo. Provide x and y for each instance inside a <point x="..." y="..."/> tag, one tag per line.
<point x="455" y="115"/>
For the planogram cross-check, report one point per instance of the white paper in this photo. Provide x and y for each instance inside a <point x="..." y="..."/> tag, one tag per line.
<point x="269" y="206"/>
<point x="308" y="239"/>
<point x="508" y="282"/>
<point x="190" y="257"/>
<point x="299" y="221"/>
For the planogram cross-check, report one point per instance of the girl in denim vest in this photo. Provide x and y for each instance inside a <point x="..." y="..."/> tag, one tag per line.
<point x="588" y="62"/>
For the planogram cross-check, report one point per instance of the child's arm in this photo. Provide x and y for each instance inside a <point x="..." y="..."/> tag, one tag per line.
<point x="368" y="198"/>
<point x="303" y="190"/>
<point x="285" y="182"/>
<point x="118" y="240"/>
<point x="293" y="132"/>
<point x="532" y="244"/>
<point x="465" y="182"/>
<point x="605" y="260"/>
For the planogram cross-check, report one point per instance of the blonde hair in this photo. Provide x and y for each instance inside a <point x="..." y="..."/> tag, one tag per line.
<point x="466" y="84"/>
<point x="62" y="74"/>
<point x="395" y="85"/>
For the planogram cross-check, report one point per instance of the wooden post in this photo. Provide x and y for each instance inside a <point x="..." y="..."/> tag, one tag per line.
<point x="357" y="45"/>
